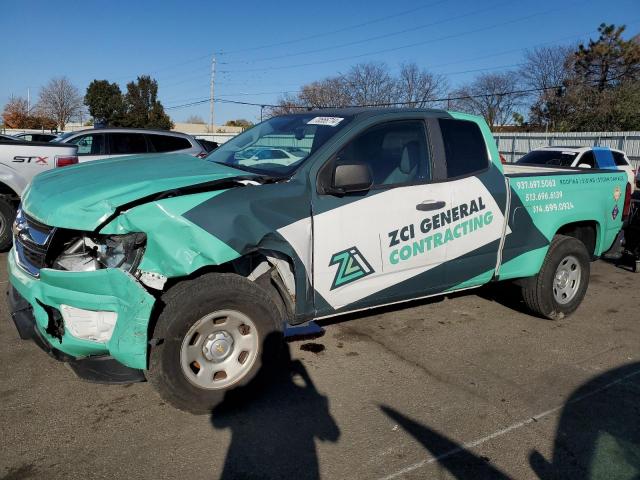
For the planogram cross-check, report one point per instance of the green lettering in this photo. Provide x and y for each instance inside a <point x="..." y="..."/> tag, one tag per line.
<point x="437" y="240"/>
<point x="418" y="247"/>
<point x="393" y="258"/>
<point x="405" y="252"/>
<point x="448" y="236"/>
<point x="429" y="241"/>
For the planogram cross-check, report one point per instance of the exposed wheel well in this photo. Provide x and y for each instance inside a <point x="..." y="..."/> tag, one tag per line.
<point x="586" y="232"/>
<point x="266" y="268"/>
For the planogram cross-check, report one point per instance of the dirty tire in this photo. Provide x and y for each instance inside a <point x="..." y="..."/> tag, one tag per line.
<point x="188" y="302"/>
<point x="538" y="292"/>
<point x="7" y="216"/>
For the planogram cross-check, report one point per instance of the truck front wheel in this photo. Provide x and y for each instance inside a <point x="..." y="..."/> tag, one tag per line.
<point x="7" y="216"/>
<point x="562" y="282"/>
<point x="215" y="333"/>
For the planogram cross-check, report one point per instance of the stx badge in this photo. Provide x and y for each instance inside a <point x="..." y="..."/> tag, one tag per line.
<point x="352" y="266"/>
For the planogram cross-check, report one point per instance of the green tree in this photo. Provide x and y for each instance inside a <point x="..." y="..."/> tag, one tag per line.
<point x="142" y="107"/>
<point x="105" y="102"/>
<point x="608" y="61"/>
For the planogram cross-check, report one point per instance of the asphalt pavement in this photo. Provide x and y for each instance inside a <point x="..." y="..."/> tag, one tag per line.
<point x="466" y="387"/>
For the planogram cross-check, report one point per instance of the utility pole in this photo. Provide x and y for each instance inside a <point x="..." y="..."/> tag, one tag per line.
<point x="213" y="77"/>
<point x="28" y="101"/>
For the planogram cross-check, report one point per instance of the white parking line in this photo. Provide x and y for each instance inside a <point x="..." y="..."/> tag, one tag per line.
<point x="515" y="426"/>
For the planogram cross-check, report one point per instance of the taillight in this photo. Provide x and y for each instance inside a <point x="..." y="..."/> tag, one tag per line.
<point x="66" y="161"/>
<point x="627" y="202"/>
<point x="202" y="155"/>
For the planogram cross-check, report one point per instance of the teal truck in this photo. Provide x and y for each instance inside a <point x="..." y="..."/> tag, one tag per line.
<point x="185" y="271"/>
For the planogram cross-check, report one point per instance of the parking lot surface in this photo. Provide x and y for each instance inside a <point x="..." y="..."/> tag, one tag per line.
<point x="470" y="386"/>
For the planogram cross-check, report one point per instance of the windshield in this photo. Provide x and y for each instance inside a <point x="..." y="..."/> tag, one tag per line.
<point x="549" y="157"/>
<point x="278" y="146"/>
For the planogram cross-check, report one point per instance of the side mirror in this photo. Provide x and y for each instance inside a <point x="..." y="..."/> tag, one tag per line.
<point x="584" y="165"/>
<point x="351" y="178"/>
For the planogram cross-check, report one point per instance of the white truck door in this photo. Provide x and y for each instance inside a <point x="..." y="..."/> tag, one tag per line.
<point x="367" y="246"/>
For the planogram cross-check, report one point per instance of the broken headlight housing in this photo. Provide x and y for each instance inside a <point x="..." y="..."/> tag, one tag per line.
<point x="94" y="252"/>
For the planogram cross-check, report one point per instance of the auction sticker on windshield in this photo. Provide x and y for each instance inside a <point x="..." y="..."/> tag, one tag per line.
<point x="326" y="121"/>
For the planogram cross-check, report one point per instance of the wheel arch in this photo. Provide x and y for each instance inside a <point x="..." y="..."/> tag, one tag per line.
<point x="8" y="190"/>
<point x="587" y="231"/>
<point x="273" y="270"/>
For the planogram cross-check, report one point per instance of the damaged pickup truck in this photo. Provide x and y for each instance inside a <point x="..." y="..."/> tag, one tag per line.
<point x="184" y="272"/>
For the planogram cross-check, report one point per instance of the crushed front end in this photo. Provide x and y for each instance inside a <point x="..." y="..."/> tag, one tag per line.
<point x="74" y="294"/>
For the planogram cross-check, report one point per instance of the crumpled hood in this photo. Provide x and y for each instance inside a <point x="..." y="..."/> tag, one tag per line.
<point x="83" y="196"/>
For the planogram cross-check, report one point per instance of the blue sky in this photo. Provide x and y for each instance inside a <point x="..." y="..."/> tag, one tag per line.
<point x="269" y="47"/>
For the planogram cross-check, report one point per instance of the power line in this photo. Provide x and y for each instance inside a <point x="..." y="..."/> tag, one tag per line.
<point x="332" y="32"/>
<point x="369" y="39"/>
<point x="401" y="47"/>
<point x="388" y="104"/>
<point x="295" y="40"/>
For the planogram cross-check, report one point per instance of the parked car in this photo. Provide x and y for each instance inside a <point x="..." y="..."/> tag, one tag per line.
<point x="582" y="157"/>
<point x="20" y="161"/>
<point x="36" y="137"/>
<point x="185" y="272"/>
<point x="99" y="143"/>
<point x="275" y="156"/>
<point x="208" y="145"/>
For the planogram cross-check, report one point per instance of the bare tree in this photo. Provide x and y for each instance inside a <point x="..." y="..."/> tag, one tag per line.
<point x="60" y="100"/>
<point x="197" y="119"/>
<point x="367" y="84"/>
<point x="330" y="92"/>
<point x="370" y="84"/>
<point x="492" y="96"/>
<point x="419" y="88"/>
<point x="546" y="67"/>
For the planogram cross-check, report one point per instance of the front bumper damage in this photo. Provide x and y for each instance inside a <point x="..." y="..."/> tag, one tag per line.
<point x="35" y="306"/>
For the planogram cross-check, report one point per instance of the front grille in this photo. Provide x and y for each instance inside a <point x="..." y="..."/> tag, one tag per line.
<point x="32" y="240"/>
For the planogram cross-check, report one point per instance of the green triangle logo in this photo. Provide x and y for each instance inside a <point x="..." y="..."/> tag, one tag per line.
<point x="351" y="266"/>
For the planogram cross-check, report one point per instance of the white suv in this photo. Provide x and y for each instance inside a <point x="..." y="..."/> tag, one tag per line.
<point x="99" y="143"/>
<point x="582" y="157"/>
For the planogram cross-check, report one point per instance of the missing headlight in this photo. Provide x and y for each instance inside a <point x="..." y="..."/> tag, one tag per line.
<point x="89" y="253"/>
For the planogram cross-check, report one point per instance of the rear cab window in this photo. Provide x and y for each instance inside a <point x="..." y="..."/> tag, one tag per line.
<point x="464" y="146"/>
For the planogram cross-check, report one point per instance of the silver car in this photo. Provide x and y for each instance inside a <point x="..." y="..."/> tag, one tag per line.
<point x="99" y="143"/>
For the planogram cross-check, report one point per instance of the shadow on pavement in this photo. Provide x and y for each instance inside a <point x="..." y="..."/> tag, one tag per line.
<point x="273" y="431"/>
<point x="506" y="294"/>
<point x="598" y="435"/>
<point x="460" y="462"/>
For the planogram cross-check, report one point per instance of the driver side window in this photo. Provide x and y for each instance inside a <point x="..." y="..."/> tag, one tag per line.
<point x="396" y="153"/>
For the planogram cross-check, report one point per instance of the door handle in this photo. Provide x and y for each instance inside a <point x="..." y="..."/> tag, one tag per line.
<point x="429" y="205"/>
